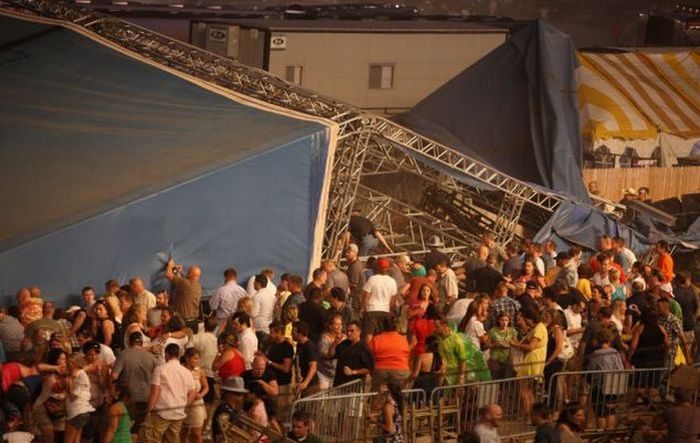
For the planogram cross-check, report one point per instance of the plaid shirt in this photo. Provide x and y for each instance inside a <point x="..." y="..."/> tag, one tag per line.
<point x="674" y="329"/>
<point x="506" y="304"/>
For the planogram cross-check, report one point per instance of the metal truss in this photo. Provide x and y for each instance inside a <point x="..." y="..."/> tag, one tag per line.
<point x="408" y="227"/>
<point x="367" y="144"/>
<point x="347" y="167"/>
<point x="461" y="163"/>
<point x="507" y="219"/>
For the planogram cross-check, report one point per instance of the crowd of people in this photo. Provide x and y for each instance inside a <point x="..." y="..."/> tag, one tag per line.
<point x="133" y="365"/>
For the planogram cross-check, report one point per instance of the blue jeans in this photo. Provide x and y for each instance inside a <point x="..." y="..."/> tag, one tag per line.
<point x="368" y="244"/>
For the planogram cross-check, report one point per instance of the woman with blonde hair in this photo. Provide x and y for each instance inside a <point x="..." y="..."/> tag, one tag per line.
<point x="290" y="315"/>
<point x="619" y="290"/>
<point x="196" y="412"/>
<point x="245" y="304"/>
<point x="534" y="347"/>
<point x="135" y="321"/>
<point x="78" y="407"/>
<point x="326" y="349"/>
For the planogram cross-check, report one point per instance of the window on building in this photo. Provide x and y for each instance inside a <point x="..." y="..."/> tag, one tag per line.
<point x="381" y="76"/>
<point x="293" y="74"/>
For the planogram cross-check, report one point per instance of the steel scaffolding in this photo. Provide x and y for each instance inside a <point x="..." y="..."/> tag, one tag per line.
<point x="368" y="145"/>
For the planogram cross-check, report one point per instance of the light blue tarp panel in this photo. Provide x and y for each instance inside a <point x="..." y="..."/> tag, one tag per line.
<point x="515" y="109"/>
<point x="84" y="128"/>
<point x="108" y="166"/>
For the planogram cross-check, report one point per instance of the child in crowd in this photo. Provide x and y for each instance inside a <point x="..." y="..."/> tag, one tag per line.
<point x="78" y="407"/>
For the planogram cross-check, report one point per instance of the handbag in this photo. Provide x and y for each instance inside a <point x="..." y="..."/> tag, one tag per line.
<point x="567" y="350"/>
<point x="517" y="355"/>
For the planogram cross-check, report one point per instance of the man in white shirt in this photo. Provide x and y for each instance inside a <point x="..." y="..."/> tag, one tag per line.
<point x="625" y="256"/>
<point x="378" y="291"/>
<point x="601" y="277"/>
<point x="104" y="353"/>
<point x="264" y="301"/>
<point x="487" y="426"/>
<point x="574" y="321"/>
<point x="225" y="301"/>
<point x="536" y="253"/>
<point x="154" y="314"/>
<point x="267" y="272"/>
<point x="247" y="340"/>
<point x="172" y="389"/>
<point x="142" y="296"/>
<point x="447" y="285"/>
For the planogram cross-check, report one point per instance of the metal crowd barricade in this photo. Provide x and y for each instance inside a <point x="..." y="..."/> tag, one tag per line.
<point x="414" y="397"/>
<point x="346" y="418"/>
<point x="604" y="394"/>
<point x="509" y="393"/>
<point x="336" y="418"/>
<point x="351" y="387"/>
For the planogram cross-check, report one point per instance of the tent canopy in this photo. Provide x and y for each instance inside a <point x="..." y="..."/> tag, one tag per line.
<point x="641" y="100"/>
<point x="111" y="165"/>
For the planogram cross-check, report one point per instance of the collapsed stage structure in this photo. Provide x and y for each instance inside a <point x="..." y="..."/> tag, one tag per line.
<point x="452" y="194"/>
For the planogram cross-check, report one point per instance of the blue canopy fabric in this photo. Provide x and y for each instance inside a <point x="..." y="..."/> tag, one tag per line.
<point x="573" y="223"/>
<point x="516" y="109"/>
<point x="109" y="166"/>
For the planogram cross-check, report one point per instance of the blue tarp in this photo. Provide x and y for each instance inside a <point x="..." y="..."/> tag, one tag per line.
<point x="515" y="109"/>
<point x="108" y="166"/>
<point x="577" y="224"/>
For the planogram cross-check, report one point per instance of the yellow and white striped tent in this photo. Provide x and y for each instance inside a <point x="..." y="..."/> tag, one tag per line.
<point x="642" y="100"/>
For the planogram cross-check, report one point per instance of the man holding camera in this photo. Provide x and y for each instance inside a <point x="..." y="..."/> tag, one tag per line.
<point x="186" y="292"/>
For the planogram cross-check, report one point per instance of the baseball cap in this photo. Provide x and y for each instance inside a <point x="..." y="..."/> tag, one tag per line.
<point x="532" y="285"/>
<point x="383" y="263"/>
<point x="136" y="337"/>
<point x="666" y="287"/>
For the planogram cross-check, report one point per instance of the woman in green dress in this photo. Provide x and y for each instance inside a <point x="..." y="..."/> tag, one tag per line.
<point x="119" y="420"/>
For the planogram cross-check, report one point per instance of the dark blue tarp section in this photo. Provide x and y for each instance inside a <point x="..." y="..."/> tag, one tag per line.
<point x="572" y="223"/>
<point x="515" y="109"/>
<point x="108" y="166"/>
<point x="577" y="224"/>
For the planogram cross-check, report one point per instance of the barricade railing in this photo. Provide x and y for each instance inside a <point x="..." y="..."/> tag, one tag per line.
<point x="604" y="395"/>
<point x="336" y="418"/>
<point x="346" y="418"/>
<point x="514" y="395"/>
<point x="351" y="387"/>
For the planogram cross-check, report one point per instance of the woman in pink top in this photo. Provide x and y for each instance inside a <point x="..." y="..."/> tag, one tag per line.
<point x="391" y="356"/>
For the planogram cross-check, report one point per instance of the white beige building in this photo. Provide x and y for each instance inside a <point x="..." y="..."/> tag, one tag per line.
<point x="387" y="66"/>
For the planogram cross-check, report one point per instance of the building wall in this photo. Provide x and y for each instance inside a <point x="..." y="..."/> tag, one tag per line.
<point x="338" y="64"/>
<point x="177" y="28"/>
